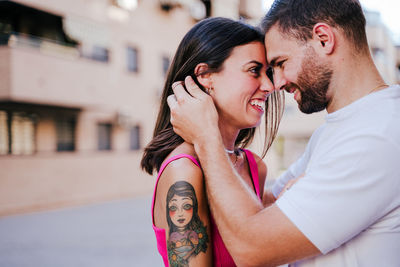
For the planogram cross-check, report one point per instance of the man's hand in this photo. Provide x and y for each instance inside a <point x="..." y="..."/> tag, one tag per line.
<point x="193" y="116"/>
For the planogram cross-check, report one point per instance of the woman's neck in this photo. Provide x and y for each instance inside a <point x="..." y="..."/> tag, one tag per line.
<point x="229" y="135"/>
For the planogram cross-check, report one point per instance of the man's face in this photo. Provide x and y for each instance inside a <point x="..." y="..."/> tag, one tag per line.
<point x="299" y="70"/>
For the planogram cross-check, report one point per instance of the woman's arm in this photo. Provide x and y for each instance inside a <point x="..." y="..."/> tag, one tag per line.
<point x="181" y="209"/>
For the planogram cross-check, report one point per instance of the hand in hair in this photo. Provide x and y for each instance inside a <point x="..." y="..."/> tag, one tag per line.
<point x="193" y="114"/>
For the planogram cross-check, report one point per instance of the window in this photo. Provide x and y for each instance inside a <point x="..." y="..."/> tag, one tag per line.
<point x="22" y="134"/>
<point x="125" y="4"/>
<point x="100" y="53"/>
<point x="135" y="138"/>
<point x="132" y="58"/>
<point x="104" y="136"/>
<point x="165" y="64"/>
<point x="207" y="4"/>
<point x="17" y="133"/>
<point x="244" y="10"/>
<point x="65" y="129"/>
<point x="4" y="134"/>
<point x="378" y="53"/>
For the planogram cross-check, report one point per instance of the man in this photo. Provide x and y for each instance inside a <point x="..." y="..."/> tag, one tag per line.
<point x="345" y="211"/>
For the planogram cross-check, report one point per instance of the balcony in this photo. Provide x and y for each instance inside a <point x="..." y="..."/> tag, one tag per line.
<point x="40" y="71"/>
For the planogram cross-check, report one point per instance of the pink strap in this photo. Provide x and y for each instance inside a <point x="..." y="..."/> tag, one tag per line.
<point x="253" y="170"/>
<point x="163" y="166"/>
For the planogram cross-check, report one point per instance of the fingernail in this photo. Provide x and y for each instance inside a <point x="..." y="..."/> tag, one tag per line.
<point x="175" y="84"/>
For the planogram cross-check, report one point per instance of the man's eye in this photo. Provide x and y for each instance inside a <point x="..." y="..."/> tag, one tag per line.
<point x="270" y="74"/>
<point x="280" y="63"/>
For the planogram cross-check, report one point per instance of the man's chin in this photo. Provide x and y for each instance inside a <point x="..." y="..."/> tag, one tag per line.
<point x="309" y="109"/>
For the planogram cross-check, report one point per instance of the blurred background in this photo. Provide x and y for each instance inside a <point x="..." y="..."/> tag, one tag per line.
<point x="80" y="82"/>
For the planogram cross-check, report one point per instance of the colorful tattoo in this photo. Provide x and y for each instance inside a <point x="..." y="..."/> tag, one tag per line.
<point x="187" y="234"/>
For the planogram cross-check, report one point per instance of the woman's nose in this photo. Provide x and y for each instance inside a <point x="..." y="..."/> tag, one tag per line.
<point x="266" y="84"/>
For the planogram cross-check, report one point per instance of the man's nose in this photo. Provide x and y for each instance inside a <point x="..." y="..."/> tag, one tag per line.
<point x="279" y="80"/>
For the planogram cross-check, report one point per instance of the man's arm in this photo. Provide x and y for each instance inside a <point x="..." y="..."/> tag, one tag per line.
<point x="254" y="235"/>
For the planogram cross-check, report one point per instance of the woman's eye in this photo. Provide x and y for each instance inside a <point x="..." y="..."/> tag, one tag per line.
<point x="255" y="71"/>
<point x="172" y="208"/>
<point x="280" y="63"/>
<point x="187" y="206"/>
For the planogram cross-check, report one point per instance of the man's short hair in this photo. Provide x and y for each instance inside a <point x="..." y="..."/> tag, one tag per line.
<point x="298" y="17"/>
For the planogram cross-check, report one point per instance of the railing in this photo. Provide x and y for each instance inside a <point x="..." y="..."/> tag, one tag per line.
<point x="53" y="47"/>
<point x="45" y="46"/>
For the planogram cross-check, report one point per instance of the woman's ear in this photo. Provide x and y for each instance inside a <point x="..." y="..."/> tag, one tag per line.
<point x="202" y="74"/>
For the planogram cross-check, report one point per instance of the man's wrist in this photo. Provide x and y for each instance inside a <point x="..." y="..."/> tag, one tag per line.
<point x="205" y="144"/>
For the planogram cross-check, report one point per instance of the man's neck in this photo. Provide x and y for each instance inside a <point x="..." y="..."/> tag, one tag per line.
<point x="354" y="78"/>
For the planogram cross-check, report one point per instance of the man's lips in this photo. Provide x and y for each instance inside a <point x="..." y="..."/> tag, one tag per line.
<point x="290" y="90"/>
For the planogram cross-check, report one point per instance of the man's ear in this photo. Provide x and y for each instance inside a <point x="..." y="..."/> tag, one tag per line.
<point x="202" y="75"/>
<point x="325" y="38"/>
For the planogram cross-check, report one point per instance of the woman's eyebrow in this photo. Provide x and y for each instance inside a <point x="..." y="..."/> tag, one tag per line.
<point x="254" y="62"/>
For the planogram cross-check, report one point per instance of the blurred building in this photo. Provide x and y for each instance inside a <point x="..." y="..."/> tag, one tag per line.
<point x="382" y="46"/>
<point x="80" y="87"/>
<point x="398" y="63"/>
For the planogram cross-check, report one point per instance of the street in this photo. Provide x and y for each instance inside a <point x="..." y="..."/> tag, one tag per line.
<point x="112" y="234"/>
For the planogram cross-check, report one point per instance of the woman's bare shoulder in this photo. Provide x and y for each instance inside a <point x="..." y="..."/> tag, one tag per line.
<point x="183" y="168"/>
<point x="184" y="148"/>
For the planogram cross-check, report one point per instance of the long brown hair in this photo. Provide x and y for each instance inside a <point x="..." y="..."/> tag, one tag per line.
<point x="210" y="41"/>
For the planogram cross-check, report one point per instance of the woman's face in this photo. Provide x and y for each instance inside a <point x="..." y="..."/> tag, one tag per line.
<point x="180" y="210"/>
<point x="241" y="88"/>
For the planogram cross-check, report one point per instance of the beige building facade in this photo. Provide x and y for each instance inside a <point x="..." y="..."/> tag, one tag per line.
<point x="398" y="62"/>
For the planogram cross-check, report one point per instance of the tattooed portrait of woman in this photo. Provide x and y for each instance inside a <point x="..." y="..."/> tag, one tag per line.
<point x="187" y="234"/>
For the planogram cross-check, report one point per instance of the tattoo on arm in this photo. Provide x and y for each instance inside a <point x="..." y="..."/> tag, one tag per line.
<point x="187" y="233"/>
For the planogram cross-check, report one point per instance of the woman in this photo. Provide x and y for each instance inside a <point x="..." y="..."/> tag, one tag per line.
<point x="226" y="59"/>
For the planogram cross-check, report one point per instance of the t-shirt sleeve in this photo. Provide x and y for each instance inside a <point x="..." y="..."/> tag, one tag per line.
<point x="298" y="167"/>
<point x="294" y="171"/>
<point x="345" y="189"/>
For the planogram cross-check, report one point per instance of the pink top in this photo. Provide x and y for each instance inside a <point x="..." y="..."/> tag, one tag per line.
<point x="221" y="256"/>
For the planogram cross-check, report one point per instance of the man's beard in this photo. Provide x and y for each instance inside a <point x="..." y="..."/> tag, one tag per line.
<point x="313" y="83"/>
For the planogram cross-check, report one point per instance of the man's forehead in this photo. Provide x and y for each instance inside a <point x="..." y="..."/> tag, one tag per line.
<point x="274" y="42"/>
<point x="278" y="44"/>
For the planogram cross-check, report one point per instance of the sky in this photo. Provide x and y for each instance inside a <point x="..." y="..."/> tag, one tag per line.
<point x="389" y="10"/>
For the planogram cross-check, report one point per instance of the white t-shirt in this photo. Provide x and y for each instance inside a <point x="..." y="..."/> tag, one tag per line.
<point x="348" y="202"/>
